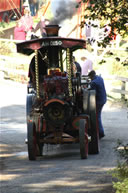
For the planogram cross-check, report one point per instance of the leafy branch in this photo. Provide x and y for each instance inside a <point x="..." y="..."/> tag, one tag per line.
<point x="113" y="13"/>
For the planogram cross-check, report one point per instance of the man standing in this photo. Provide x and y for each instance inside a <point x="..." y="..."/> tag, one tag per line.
<point x="27" y="22"/>
<point x="41" y="26"/>
<point x="77" y="65"/>
<point x="86" y="65"/>
<point x="97" y="83"/>
<point x="32" y="7"/>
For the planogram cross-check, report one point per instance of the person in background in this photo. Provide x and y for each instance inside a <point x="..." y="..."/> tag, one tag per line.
<point x="36" y="5"/>
<point x="97" y="84"/>
<point x="41" y="26"/>
<point x="78" y="67"/>
<point x="32" y="7"/>
<point x="25" y="5"/>
<point x="27" y="22"/>
<point x="86" y="65"/>
<point x="19" y="32"/>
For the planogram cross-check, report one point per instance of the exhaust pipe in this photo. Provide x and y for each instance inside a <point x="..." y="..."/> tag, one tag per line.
<point x="52" y="30"/>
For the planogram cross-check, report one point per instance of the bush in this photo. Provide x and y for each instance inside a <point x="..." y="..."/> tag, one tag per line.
<point x="6" y="47"/>
<point x="121" y="187"/>
<point x="121" y="171"/>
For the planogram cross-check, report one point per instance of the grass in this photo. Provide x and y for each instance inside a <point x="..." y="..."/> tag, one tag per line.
<point x="121" y="171"/>
<point x="4" y="25"/>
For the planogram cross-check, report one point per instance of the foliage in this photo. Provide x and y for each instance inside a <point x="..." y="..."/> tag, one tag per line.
<point x="121" y="187"/>
<point x="6" y="25"/>
<point x="109" y="12"/>
<point x="121" y="171"/>
<point x="114" y="60"/>
<point x="6" y="46"/>
<point x="122" y="151"/>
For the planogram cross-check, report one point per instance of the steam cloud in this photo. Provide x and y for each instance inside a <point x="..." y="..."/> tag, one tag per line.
<point x="63" y="9"/>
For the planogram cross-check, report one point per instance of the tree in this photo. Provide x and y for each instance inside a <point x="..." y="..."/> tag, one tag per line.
<point x="114" y="13"/>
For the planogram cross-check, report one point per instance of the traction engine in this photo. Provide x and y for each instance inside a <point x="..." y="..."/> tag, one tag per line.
<point x="61" y="109"/>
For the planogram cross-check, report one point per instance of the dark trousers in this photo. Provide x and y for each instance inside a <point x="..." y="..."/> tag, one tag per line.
<point x="99" y="108"/>
<point x="32" y="9"/>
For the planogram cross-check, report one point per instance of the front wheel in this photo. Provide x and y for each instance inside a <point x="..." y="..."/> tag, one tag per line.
<point x="83" y="139"/>
<point x="32" y="141"/>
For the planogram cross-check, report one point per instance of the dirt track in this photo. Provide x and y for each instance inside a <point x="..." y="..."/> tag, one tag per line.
<point x="60" y="170"/>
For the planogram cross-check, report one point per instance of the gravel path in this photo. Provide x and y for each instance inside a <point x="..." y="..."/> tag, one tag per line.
<point x="60" y="170"/>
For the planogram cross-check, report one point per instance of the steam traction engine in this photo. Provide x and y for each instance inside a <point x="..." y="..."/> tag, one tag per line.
<point x="59" y="109"/>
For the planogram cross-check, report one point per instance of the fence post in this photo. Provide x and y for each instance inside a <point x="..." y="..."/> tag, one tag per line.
<point x="123" y="88"/>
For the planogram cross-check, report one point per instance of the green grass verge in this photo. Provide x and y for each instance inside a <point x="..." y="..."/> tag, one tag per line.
<point x="121" y="171"/>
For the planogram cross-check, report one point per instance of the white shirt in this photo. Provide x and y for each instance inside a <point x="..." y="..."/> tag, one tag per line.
<point x="86" y="66"/>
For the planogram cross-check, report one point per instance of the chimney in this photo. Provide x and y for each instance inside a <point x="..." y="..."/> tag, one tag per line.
<point x="52" y="30"/>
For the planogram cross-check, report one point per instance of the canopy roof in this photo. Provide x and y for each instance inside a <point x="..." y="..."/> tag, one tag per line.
<point x="28" y="46"/>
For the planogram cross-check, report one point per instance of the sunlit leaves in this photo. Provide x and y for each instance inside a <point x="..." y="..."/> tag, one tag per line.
<point x="114" y="11"/>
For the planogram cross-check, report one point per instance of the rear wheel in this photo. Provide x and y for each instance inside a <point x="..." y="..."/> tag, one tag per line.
<point x="83" y="139"/>
<point x="85" y="101"/>
<point x="93" y="132"/>
<point x="33" y="149"/>
<point x="29" y="104"/>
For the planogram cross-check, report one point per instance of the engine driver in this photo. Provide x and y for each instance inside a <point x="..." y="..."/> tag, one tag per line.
<point x="42" y="65"/>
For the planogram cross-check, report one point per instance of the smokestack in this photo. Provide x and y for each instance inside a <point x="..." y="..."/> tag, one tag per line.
<point x="63" y="9"/>
<point x="52" y="30"/>
<point x="53" y="51"/>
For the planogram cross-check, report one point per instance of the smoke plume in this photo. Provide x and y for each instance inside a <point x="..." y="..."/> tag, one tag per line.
<point x="62" y="9"/>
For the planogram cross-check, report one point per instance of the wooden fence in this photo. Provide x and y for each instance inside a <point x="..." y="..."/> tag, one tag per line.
<point x="7" y="33"/>
<point x="122" y="90"/>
